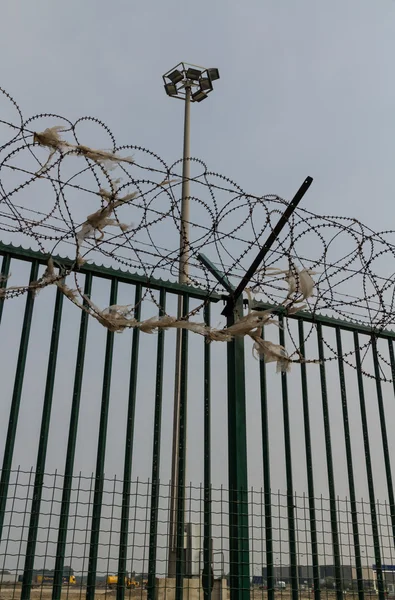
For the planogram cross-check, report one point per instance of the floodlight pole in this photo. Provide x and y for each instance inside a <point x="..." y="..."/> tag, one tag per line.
<point x="186" y="169"/>
<point x="192" y="84"/>
<point x="182" y="278"/>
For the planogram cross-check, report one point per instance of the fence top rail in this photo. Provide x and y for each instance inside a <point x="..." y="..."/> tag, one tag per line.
<point x="26" y="254"/>
<point x="316" y="318"/>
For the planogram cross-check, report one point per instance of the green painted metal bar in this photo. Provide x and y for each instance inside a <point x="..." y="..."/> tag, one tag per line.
<point x="350" y="465"/>
<point x="16" y="397"/>
<point x="369" y="468"/>
<point x="207" y="545"/>
<point x="182" y="458"/>
<point x="289" y="478"/>
<point x="109" y="273"/>
<point x="8" y="539"/>
<point x="100" y="459"/>
<point x="267" y="491"/>
<point x="155" y="489"/>
<point x="384" y="435"/>
<point x="392" y="362"/>
<point x="329" y="462"/>
<point x="323" y="320"/>
<point x="71" y="445"/>
<point x="127" y="472"/>
<point x="42" y="449"/>
<point x="220" y="277"/>
<point x="237" y="460"/>
<point x="383" y="426"/>
<point x="25" y="512"/>
<point x="5" y="269"/>
<point x="309" y="467"/>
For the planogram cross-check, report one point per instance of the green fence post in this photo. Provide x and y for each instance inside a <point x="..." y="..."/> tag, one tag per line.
<point x="309" y="467"/>
<point x="70" y="452"/>
<point x="237" y="458"/>
<point x="207" y="547"/>
<point x="369" y="468"/>
<point x="153" y="535"/>
<point x="289" y="478"/>
<point x="384" y="434"/>
<point x="329" y="463"/>
<point x="100" y="458"/>
<point x="16" y="397"/>
<point x="42" y="449"/>
<point x="267" y="492"/>
<point x="392" y="362"/>
<point x="127" y="472"/>
<point x="182" y="457"/>
<point x="350" y="466"/>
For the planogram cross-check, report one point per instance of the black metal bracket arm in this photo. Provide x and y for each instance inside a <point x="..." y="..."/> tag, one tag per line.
<point x="235" y="293"/>
<point x="220" y="277"/>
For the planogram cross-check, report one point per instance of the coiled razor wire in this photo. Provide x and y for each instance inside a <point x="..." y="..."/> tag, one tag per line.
<point x="121" y="207"/>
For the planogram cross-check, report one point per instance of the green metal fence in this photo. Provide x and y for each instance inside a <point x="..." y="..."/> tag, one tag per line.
<point x="284" y="458"/>
<point x="265" y="573"/>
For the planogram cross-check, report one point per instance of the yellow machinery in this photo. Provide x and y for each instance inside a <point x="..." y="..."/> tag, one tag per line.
<point x="112" y="581"/>
<point x="48" y="580"/>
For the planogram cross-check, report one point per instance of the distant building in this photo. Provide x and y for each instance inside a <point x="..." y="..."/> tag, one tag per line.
<point x="388" y="576"/>
<point x="305" y="573"/>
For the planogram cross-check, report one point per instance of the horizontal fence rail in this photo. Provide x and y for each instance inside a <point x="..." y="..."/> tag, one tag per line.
<point x="86" y="421"/>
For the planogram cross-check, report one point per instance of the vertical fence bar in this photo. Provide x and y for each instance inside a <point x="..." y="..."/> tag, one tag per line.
<point x="71" y="443"/>
<point x="16" y="397"/>
<point x="155" y="489"/>
<point x="5" y="269"/>
<point x="127" y="472"/>
<point x="42" y="449"/>
<point x="384" y="436"/>
<point x="207" y="548"/>
<point x="309" y="465"/>
<point x="237" y="459"/>
<point x="11" y="524"/>
<point x="147" y="510"/>
<point x="392" y="362"/>
<point x="329" y="462"/>
<point x="101" y="455"/>
<point x="369" y="468"/>
<point x="288" y="470"/>
<point x="182" y="458"/>
<point x="266" y="479"/>
<point x="25" y="513"/>
<point x="350" y="464"/>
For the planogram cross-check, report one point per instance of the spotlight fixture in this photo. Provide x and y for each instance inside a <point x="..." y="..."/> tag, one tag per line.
<point x="199" y="96"/>
<point x="175" y="76"/>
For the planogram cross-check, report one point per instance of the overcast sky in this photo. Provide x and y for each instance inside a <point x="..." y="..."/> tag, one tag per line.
<point x="306" y="88"/>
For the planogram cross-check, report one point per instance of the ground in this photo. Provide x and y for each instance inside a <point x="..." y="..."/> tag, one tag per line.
<point x="10" y="593"/>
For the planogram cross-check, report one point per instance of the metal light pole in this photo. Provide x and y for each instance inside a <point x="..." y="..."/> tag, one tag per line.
<point x="191" y="84"/>
<point x="182" y="278"/>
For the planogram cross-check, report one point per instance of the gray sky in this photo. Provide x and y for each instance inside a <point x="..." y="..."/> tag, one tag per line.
<point x="306" y="88"/>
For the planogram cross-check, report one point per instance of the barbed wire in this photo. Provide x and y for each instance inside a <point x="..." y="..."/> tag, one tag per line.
<point x="122" y="207"/>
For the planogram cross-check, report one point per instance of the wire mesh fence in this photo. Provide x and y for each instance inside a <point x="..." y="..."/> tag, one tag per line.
<point x="81" y="398"/>
<point x="275" y="566"/>
<point x="78" y="402"/>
